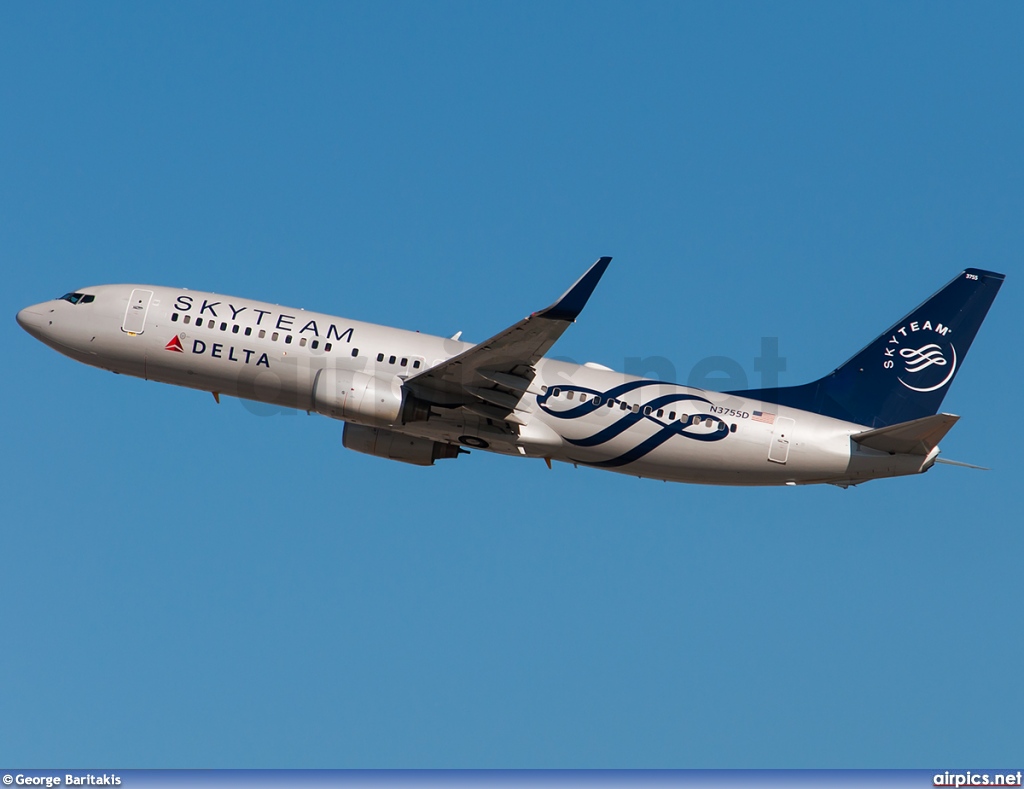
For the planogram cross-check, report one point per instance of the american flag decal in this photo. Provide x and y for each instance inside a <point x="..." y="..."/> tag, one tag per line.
<point x="760" y="416"/>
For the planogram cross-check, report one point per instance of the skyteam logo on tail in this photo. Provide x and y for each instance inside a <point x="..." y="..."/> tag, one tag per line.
<point x="925" y="358"/>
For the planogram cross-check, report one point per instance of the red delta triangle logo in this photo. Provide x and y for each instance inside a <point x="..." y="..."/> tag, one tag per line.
<point x="174" y="345"/>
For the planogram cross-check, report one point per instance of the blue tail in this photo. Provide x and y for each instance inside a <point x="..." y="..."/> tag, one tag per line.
<point x="904" y="373"/>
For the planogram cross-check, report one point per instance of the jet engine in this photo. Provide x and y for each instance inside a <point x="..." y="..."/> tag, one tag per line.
<point x="395" y="446"/>
<point x="365" y="399"/>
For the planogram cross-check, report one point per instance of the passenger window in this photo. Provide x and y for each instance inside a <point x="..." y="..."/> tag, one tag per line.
<point x="543" y="390"/>
<point x="636" y="408"/>
<point x="647" y="410"/>
<point x="174" y="317"/>
<point x="223" y="327"/>
<point x="696" y="419"/>
<point x="415" y="365"/>
<point x="315" y="344"/>
<point x="555" y="392"/>
<point x="248" y="331"/>
<point x="234" y="329"/>
<point x="708" y="422"/>
<point x="355" y="352"/>
<point x="661" y="413"/>
<point x="211" y="324"/>
<point x="391" y="360"/>
<point x="380" y="357"/>
<point x="327" y="347"/>
<point x="302" y="342"/>
<point x="597" y="400"/>
<point x="570" y="394"/>
<point x="287" y="339"/>
<point x="671" y="416"/>
<point x="188" y="318"/>
<point x="405" y="363"/>
<point x="263" y="333"/>
<point x="273" y="337"/>
<point x="732" y="428"/>
<point x="611" y="402"/>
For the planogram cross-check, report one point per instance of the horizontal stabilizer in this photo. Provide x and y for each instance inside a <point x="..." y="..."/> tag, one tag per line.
<point x="917" y="437"/>
<point x="961" y="464"/>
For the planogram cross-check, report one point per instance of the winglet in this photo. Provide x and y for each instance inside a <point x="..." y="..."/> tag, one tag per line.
<point x="575" y="299"/>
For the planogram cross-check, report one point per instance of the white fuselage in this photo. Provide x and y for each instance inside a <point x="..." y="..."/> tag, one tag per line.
<point x="581" y="414"/>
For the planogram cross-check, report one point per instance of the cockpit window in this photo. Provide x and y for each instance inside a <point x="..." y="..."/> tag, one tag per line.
<point x="76" y="298"/>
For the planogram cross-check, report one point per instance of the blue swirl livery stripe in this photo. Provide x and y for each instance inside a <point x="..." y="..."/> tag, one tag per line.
<point x="628" y="420"/>
<point x="637" y="452"/>
<point x="583" y="409"/>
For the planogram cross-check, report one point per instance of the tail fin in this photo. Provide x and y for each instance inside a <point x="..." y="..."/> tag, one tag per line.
<point x="905" y="373"/>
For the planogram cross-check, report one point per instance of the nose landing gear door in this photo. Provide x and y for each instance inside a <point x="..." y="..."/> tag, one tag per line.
<point x="135" y="315"/>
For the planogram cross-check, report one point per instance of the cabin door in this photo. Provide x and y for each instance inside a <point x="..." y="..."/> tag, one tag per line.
<point x="135" y="315"/>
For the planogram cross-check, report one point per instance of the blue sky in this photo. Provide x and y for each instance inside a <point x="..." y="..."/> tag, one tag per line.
<point x="191" y="585"/>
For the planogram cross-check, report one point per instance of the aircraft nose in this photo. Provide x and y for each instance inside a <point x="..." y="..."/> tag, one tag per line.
<point x="31" y="319"/>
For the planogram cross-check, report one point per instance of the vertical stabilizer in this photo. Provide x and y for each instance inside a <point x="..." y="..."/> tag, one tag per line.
<point x="904" y="373"/>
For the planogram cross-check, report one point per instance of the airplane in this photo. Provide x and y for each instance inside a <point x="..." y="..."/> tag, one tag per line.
<point x="417" y="398"/>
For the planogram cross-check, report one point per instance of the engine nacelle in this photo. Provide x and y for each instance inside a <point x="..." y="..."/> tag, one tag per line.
<point x="395" y="446"/>
<point x="358" y="397"/>
<point x="366" y="399"/>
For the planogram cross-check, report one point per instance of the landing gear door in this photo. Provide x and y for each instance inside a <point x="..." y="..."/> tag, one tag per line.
<point x="135" y="315"/>
<point x="781" y="438"/>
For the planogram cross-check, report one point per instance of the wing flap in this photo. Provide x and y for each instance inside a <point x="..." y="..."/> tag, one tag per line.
<point x="514" y="382"/>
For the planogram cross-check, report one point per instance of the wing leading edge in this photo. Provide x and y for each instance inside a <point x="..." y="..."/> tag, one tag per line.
<point x="490" y="378"/>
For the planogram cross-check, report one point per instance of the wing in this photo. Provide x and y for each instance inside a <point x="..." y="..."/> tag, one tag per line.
<point x="489" y="379"/>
